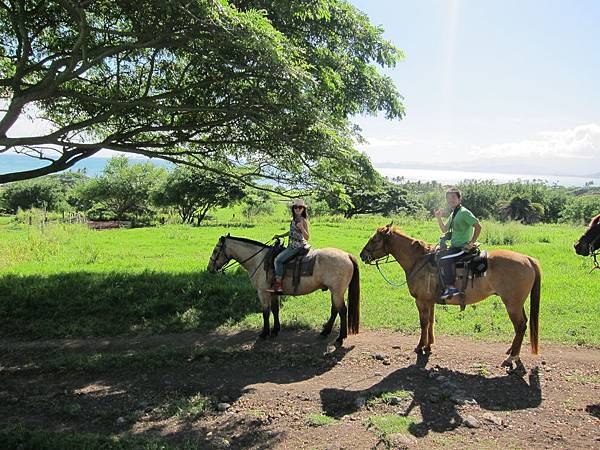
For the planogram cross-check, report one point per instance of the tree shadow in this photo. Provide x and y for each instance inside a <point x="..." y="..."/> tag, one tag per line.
<point x="158" y="397"/>
<point x="82" y="304"/>
<point x="437" y="398"/>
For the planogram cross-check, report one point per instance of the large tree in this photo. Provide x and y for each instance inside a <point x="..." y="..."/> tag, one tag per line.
<point x="243" y="88"/>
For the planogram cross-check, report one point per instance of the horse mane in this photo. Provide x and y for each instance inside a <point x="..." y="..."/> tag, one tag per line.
<point x="420" y="245"/>
<point x="248" y="241"/>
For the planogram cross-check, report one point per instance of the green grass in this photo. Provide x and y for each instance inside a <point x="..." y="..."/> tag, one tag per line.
<point x="67" y="281"/>
<point x="319" y="420"/>
<point x="387" y="425"/>
<point x="385" y="397"/>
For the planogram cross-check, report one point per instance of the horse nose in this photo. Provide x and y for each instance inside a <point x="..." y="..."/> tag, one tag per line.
<point x="364" y="256"/>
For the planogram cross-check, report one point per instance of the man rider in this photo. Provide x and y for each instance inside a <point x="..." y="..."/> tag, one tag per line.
<point x="463" y="229"/>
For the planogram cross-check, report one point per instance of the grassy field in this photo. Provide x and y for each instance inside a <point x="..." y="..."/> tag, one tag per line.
<point x="69" y="281"/>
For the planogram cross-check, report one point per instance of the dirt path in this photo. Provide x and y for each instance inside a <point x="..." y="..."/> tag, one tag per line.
<point x="276" y="393"/>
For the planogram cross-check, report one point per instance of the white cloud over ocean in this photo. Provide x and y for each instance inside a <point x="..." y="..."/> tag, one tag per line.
<point x="580" y="142"/>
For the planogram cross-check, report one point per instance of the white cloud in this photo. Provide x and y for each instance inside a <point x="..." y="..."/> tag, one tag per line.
<point x="581" y="142"/>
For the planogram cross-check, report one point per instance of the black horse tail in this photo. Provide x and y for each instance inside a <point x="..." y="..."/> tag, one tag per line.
<point x="354" y="299"/>
<point x="534" y="308"/>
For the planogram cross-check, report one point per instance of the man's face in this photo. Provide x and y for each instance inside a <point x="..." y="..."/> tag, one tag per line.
<point x="452" y="199"/>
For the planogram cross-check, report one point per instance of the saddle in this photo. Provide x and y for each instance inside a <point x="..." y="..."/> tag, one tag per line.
<point x="301" y="265"/>
<point x="469" y="266"/>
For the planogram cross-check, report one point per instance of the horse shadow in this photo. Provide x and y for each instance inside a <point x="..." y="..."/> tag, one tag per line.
<point x="437" y="397"/>
<point x="593" y="410"/>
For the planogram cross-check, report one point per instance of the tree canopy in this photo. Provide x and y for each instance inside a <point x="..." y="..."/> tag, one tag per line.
<point x="243" y="88"/>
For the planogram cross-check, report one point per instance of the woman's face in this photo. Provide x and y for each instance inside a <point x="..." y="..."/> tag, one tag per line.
<point x="298" y="210"/>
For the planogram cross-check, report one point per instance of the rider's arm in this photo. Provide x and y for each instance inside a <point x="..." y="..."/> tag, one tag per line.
<point x="476" y="232"/>
<point x="303" y="225"/>
<point x="442" y="225"/>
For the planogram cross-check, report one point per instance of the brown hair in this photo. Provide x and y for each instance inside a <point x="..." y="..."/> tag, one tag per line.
<point x="453" y="190"/>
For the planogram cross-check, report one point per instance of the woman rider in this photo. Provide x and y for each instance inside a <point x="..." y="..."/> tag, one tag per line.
<point x="297" y="242"/>
<point x="464" y="229"/>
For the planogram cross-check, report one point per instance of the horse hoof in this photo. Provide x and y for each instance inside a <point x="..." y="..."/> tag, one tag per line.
<point x="507" y="363"/>
<point x="263" y="335"/>
<point x="419" y="350"/>
<point x="339" y="342"/>
<point x="427" y="350"/>
<point x="519" y="369"/>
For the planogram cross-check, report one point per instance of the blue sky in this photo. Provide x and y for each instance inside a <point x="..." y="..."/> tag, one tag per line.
<point x="492" y="84"/>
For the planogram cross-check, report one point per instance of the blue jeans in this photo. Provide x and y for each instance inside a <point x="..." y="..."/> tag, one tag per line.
<point x="284" y="257"/>
<point x="448" y="264"/>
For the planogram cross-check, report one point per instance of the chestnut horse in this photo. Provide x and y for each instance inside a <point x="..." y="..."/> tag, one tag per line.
<point x="334" y="269"/>
<point x="512" y="276"/>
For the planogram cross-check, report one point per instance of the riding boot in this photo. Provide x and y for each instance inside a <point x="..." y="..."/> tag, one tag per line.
<point x="277" y="286"/>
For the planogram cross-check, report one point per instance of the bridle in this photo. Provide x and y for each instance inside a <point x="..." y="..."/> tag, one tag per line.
<point x="386" y="260"/>
<point x="594" y="253"/>
<point x="229" y="264"/>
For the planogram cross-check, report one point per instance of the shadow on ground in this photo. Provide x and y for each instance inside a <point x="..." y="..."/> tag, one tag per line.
<point x="83" y="304"/>
<point x="169" y="390"/>
<point x="434" y="397"/>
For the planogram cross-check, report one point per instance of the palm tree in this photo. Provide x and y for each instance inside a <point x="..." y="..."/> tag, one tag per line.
<point x="521" y="209"/>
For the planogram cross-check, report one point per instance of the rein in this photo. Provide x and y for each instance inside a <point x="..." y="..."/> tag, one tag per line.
<point x="412" y="273"/>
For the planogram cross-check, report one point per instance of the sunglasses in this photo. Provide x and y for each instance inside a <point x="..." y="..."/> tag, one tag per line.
<point x="297" y="206"/>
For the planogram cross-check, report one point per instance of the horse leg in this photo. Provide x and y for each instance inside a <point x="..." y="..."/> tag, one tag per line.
<point x="519" y="320"/>
<point x="265" y="299"/>
<point x="337" y="299"/>
<point x="275" y="310"/>
<point x="424" y="321"/>
<point x="430" y="334"/>
<point x="329" y="324"/>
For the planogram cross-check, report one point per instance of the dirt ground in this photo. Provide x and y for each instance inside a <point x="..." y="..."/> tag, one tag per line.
<point x="232" y="391"/>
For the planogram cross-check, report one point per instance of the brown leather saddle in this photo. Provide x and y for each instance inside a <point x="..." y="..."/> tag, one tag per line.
<point x="468" y="267"/>
<point x="301" y="265"/>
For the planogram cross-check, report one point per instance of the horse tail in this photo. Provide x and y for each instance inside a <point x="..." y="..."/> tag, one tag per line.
<point x="534" y="308"/>
<point x="354" y="299"/>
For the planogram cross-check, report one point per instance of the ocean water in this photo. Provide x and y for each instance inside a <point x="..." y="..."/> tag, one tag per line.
<point x="455" y="176"/>
<point x="91" y="166"/>
<point x="94" y="166"/>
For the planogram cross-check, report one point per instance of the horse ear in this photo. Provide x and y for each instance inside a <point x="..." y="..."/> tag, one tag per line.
<point x="228" y="234"/>
<point x="389" y="227"/>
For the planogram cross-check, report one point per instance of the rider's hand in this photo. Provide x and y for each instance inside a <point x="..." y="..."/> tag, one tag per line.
<point x="438" y="213"/>
<point x="275" y="236"/>
<point x="469" y="246"/>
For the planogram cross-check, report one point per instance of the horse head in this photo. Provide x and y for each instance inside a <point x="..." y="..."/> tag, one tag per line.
<point x="589" y="242"/>
<point x="219" y="256"/>
<point x="376" y="247"/>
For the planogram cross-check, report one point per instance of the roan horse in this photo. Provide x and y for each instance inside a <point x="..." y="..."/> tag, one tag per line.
<point x="512" y="276"/>
<point x="334" y="269"/>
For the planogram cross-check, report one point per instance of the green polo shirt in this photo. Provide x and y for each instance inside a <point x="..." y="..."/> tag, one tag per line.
<point x="462" y="227"/>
